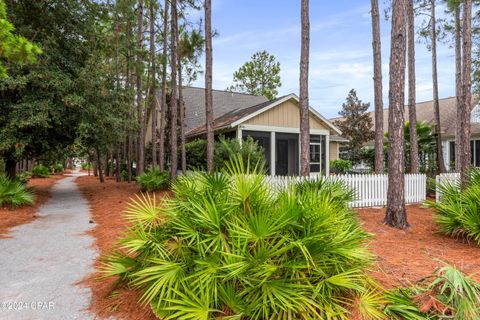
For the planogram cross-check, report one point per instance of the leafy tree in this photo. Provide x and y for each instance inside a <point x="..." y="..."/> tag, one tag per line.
<point x="356" y="125"/>
<point x="13" y="48"/>
<point x="259" y="76"/>
<point x="37" y="102"/>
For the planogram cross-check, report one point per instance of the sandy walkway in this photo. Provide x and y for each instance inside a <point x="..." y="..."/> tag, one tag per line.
<point x="42" y="262"/>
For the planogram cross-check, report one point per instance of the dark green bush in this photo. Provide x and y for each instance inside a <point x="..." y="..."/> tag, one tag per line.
<point x="340" y="166"/>
<point x="197" y="154"/>
<point x="14" y="193"/>
<point x="40" y="171"/>
<point x="154" y="179"/>
<point x="431" y="186"/>
<point x="228" y="245"/>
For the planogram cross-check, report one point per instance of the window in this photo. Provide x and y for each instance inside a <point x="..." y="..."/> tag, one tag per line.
<point x="477" y="153"/>
<point x="475" y="114"/>
<point x="317" y="153"/>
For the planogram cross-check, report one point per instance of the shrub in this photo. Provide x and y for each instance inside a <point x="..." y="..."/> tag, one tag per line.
<point x="250" y="153"/>
<point x="450" y="295"/>
<point x="197" y="154"/>
<point x="225" y="150"/>
<point x="86" y="166"/>
<point x="40" y="171"/>
<point x="340" y="166"/>
<point x="14" y="193"/>
<point x="431" y="186"/>
<point x="153" y="180"/>
<point x="24" y="177"/>
<point x="458" y="211"/>
<point x="57" y="168"/>
<point x="228" y="245"/>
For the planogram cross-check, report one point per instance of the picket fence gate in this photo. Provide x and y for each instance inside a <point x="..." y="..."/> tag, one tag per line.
<point x="370" y="189"/>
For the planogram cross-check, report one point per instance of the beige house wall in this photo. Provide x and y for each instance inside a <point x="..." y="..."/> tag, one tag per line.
<point x="334" y="150"/>
<point x="287" y="115"/>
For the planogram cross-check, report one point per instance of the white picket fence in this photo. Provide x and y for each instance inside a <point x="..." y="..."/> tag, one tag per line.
<point x="443" y="179"/>
<point x="370" y="190"/>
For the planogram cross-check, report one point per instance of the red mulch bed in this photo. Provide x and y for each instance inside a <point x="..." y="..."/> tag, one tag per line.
<point x="403" y="256"/>
<point x="406" y="256"/>
<point x="108" y="201"/>
<point x="10" y="218"/>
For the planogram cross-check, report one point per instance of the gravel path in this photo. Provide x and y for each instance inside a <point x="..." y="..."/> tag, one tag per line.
<point x="42" y="262"/>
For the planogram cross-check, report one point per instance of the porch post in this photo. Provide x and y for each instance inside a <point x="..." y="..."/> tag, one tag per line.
<point x="239" y="135"/>
<point x="327" y="155"/>
<point x="273" y="153"/>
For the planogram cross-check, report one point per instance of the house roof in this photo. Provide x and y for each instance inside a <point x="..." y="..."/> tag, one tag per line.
<point x="448" y="116"/>
<point x="239" y="115"/>
<point x="223" y="103"/>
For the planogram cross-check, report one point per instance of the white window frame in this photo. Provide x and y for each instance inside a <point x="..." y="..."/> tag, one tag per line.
<point x="475" y="114"/>
<point x="319" y="144"/>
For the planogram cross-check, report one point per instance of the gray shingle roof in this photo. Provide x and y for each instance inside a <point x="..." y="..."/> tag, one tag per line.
<point x="223" y="102"/>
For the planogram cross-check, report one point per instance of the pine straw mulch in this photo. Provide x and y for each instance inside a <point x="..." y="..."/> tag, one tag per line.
<point x="107" y="203"/>
<point x="10" y="218"/>
<point x="403" y="256"/>
<point x="407" y="256"/>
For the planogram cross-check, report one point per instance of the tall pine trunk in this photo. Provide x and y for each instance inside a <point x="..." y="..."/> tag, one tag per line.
<point x="181" y="106"/>
<point x="396" y="215"/>
<point x="304" y="114"/>
<point x="412" y="107"/>
<point x="378" y="91"/>
<point x="458" y="90"/>
<point x="163" y="106"/>
<point x="153" y="91"/>
<point x="436" y="104"/>
<point x="131" y="109"/>
<point x="467" y="93"/>
<point x="208" y="85"/>
<point x="99" y="166"/>
<point x="174" y="98"/>
<point x="139" y="75"/>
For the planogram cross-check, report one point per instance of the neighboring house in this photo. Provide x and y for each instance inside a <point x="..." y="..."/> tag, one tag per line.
<point x="448" y="120"/>
<point x="275" y="125"/>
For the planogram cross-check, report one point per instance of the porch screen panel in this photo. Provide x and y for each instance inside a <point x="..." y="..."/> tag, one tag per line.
<point x="477" y="153"/>
<point x="317" y="153"/>
<point x="263" y="140"/>
<point x="452" y="154"/>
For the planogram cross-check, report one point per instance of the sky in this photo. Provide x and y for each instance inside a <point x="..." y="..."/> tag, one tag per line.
<point x="340" y="49"/>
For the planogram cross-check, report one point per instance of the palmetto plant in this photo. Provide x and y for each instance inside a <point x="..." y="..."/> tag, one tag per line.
<point x="154" y="179"/>
<point x="458" y="212"/>
<point x="450" y="295"/>
<point x="14" y="193"/>
<point x="231" y="247"/>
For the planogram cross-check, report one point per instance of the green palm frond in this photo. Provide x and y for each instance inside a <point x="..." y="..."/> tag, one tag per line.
<point x="14" y="193"/>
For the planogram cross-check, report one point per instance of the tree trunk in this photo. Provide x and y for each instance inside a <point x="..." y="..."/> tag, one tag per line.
<point x="99" y="168"/>
<point x="208" y="85"/>
<point x="396" y="215"/>
<point x="139" y="74"/>
<point x="458" y="90"/>
<point x="95" y="168"/>
<point x="163" y="110"/>
<point x="436" y="105"/>
<point x="304" y="108"/>
<point x="412" y="100"/>
<point x="130" y="114"/>
<point x="378" y="91"/>
<point x="107" y="166"/>
<point x="10" y="167"/>
<point x="118" y="162"/>
<point x="174" y="98"/>
<point x="467" y="93"/>
<point x="181" y="105"/>
<point x="153" y="90"/>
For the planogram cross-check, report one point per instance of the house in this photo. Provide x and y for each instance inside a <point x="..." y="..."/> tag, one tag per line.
<point x="275" y="125"/>
<point x="448" y="120"/>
